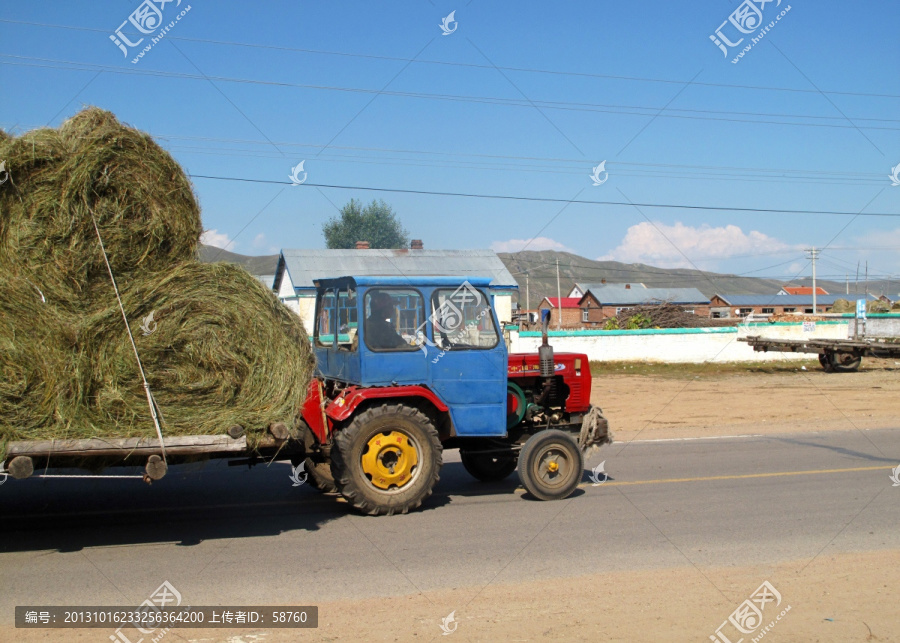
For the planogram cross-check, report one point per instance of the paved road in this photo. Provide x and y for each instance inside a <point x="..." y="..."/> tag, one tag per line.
<point x="232" y="535"/>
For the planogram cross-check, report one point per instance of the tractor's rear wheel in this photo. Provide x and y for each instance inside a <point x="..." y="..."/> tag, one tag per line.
<point x="488" y="467"/>
<point x="387" y="460"/>
<point x="551" y="465"/>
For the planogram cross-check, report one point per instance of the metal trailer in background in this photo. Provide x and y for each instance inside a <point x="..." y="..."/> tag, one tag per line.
<point x="869" y="336"/>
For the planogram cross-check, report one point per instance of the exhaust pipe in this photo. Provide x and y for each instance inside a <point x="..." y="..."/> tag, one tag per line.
<point x="545" y="356"/>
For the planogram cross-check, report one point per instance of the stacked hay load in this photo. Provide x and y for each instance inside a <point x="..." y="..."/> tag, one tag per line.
<point x="222" y="349"/>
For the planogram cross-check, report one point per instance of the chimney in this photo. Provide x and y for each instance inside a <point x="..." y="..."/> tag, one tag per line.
<point x="627" y="286"/>
<point x="416" y="244"/>
<point x="362" y="245"/>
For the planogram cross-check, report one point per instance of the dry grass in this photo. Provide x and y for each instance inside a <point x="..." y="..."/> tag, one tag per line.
<point x="224" y="351"/>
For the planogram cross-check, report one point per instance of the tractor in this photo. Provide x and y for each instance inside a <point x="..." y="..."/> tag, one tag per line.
<point x="410" y="366"/>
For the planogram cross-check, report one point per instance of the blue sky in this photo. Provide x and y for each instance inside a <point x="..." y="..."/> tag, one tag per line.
<point x="808" y="119"/>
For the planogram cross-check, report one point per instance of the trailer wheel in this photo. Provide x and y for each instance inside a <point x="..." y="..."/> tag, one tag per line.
<point x="551" y="465"/>
<point x="320" y="476"/>
<point x="488" y="467"/>
<point x="825" y="361"/>
<point x="845" y="362"/>
<point x="387" y="460"/>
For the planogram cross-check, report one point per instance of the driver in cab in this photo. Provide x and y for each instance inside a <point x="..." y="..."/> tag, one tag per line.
<point x="380" y="332"/>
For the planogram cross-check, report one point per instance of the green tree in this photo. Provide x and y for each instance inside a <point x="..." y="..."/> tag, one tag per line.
<point x="375" y="223"/>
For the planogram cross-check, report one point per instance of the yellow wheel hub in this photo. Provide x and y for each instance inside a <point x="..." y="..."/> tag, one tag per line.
<point x="552" y="467"/>
<point x="390" y="460"/>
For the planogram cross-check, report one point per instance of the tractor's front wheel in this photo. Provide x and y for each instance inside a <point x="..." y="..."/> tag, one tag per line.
<point x="488" y="467"/>
<point x="551" y="465"/>
<point x="387" y="460"/>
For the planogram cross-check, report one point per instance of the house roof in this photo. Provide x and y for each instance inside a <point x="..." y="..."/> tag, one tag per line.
<point x="784" y="300"/>
<point x="266" y="280"/>
<point x="305" y="265"/>
<point x="584" y="287"/>
<point x="803" y="290"/>
<point x="567" y="302"/>
<point x="617" y="295"/>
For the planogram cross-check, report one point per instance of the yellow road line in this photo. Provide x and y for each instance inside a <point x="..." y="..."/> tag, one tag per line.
<point x="738" y="477"/>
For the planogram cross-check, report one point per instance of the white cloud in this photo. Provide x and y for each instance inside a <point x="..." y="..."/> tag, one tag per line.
<point x="659" y="244"/>
<point x="538" y="243"/>
<point x="217" y="239"/>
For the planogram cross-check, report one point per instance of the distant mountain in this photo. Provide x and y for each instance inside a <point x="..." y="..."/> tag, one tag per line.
<point x="540" y="267"/>
<point x="263" y="265"/>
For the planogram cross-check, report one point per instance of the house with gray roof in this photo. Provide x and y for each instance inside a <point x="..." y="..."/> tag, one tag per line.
<point x="579" y="290"/>
<point x="724" y="306"/>
<point x="298" y="268"/>
<point x="599" y="304"/>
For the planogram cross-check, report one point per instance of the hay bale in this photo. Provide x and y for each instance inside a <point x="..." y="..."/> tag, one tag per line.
<point x="142" y="200"/>
<point x="223" y="350"/>
<point x="877" y="306"/>
<point x="41" y="368"/>
<point x="843" y="306"/>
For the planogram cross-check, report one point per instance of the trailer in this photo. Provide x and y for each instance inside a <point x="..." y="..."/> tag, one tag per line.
<point x="835" y="355"/>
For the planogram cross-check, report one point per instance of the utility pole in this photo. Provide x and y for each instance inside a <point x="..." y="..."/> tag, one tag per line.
<point x="558" y="298"/>
<point x="848" y="284"/>
<point x="813" y="255"/>
<point x="527" y="298"/>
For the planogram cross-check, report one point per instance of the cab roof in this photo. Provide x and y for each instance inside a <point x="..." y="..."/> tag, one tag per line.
<point x="393" y="281"/>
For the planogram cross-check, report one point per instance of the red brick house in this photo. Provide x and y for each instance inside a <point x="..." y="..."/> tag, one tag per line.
<point x="570" y="310"/>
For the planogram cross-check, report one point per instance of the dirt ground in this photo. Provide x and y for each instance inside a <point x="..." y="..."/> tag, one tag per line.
<point x="646" y="402"/>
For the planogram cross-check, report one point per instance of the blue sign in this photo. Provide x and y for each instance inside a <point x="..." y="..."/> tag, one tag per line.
<point x="860" y="308"/>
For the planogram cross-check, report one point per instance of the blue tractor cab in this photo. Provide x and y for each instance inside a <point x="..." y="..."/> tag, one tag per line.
<point x="440" y="333"/>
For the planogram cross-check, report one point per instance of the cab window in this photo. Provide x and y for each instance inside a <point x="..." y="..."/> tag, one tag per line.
<point x="326" y="318"/>
<point x="392" y="317"/>
<point x="461" y="319"/>
<point x="347" y="323"/>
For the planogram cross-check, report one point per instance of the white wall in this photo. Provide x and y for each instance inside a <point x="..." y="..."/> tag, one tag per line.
<point x="503" y="306"/>
<point x="693" y="345"/>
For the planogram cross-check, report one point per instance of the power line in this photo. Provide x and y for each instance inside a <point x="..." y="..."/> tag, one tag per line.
<point x="488" y="100"/>
<point x="463" y="64"/>
<point x="547" y="199"/>
<point x="576" y="163"/>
